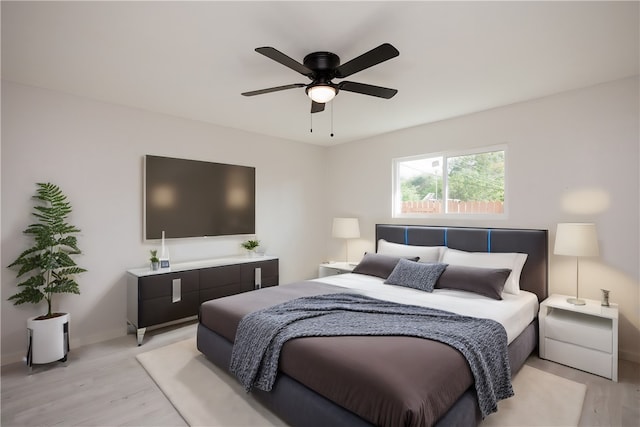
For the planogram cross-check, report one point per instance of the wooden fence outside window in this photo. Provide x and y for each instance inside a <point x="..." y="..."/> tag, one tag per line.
<point x="453" y="207"/>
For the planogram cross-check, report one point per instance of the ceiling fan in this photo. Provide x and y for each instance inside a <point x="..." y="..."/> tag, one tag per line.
<point x="322" y="67"/>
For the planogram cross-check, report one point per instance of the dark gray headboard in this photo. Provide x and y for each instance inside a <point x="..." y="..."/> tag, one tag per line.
<point x="534" y="243"/>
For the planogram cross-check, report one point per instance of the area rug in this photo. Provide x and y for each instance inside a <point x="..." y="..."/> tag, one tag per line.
<point x="208" y="396"/>
<point x="541" y="399"/>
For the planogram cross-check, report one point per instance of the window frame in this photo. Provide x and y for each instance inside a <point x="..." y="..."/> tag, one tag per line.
<point x="396" y="192"/>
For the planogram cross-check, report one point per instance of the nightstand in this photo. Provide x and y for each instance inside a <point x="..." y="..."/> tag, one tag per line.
<point x="333" y="268"/>
<point x="581" y="336"/>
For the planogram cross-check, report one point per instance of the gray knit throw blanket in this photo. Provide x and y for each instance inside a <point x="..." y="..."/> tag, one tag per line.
<point x="261" y="335"/>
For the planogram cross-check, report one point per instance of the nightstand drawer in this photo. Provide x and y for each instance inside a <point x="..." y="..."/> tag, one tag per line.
<point x="580" y="329"/>
<point x="328" y="271"/>
<point x="585" y="359"/>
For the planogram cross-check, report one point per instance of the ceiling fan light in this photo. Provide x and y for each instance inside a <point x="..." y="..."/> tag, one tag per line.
<point x="321" y="93"/>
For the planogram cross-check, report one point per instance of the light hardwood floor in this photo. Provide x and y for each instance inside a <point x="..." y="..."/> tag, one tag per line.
<point x="104" y="385"/>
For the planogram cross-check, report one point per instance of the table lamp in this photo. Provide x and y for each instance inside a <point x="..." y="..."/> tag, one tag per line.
<point x="578" y="240"/>
<point x="346" y="228"/>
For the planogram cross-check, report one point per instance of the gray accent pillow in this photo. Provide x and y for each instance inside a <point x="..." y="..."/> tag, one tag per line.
<point x="484" y="281"/>
<point x="422" y="276"/>
<point x="379" y="265"/>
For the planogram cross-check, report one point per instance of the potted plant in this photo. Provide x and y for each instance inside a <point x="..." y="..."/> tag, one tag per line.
<point x="251" y="245"/>
<point x="155" y="261"/>
<point x="47" y="269"/>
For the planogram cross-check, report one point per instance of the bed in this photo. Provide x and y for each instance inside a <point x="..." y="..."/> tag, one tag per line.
<point x="380" y="380"/>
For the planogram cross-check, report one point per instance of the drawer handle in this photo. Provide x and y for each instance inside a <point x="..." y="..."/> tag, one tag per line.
<point x="258" y="279"/>
<point x="177" y="290"/>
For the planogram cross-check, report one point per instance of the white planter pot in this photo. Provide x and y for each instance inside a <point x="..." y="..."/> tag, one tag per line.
<point x="48" y="339"/>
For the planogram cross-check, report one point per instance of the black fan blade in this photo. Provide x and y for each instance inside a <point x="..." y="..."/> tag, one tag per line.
<point x="365" y="89"/>
<point x="283" y="59"/>
<point x="375" y="56"/>
<point x="316" y="107"/>
<point x="273" y="89"/>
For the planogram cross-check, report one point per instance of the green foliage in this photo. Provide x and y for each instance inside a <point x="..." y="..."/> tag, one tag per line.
<point x="416" y="188"/>
<point x="154" y="255"/>
<point x="410" y="191"/>
<point x="476" y="177"/>
<point x="250" y="244"/>
<point x="47" y="265"/>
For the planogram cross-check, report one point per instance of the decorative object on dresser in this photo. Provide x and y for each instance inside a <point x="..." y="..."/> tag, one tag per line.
<point x="156" y="298"/>
<point x="346" y="228"/>
<point x="51" y="271"/>
<point x="581" y="336"/>
<point x="251" y="245"/>
<point x="164" y="255"/>
<point x="155" y="261"/>
<point x="576" y="239"/>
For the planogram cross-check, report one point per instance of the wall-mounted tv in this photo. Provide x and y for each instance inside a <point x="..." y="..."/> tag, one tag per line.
<point x="191" y="198"/>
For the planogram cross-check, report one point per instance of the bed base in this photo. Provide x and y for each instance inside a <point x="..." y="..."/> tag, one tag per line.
<point x="298" y="405"/>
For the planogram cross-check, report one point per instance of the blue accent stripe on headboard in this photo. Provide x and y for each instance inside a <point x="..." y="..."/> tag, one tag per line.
<point x="489" y="240"/>
<point x="406" y="235"/>
<point x="445" y="237"/>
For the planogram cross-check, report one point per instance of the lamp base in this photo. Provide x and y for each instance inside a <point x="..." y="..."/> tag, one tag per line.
<point x="576" y="301"/>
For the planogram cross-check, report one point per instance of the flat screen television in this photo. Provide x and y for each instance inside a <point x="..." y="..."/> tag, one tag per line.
<point x="191" y="198"/>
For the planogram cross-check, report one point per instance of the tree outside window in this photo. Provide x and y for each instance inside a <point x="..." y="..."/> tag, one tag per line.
<point x="474" y="183"/>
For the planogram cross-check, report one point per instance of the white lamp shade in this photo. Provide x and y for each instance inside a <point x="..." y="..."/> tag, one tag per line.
<point x="576" y="239"/>
<point x="346" y="228"/>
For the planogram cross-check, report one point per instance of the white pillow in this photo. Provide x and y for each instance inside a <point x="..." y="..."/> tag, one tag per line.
<point x="426" y="253"/>
<point x="513" y="261"/>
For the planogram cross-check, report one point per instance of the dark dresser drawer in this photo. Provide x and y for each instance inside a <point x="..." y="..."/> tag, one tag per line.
<point x="269" y="274"/>
<point x="220" y="276"/>
<point x="219" y="282"/>
<point x="161" y="285"/>
<point x="164" y="309"/>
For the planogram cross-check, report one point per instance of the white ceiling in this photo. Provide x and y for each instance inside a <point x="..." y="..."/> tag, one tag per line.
<point x="193" y="59"/>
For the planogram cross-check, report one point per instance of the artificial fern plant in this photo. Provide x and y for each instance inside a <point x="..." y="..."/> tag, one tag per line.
<point x="48" y="265"/>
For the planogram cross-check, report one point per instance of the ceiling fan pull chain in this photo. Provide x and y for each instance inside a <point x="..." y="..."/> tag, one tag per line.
<point x="310" y="123"/>
<point x="332" y="118"/>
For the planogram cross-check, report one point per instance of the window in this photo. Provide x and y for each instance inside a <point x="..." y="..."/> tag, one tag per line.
<point x="463" y="183"/>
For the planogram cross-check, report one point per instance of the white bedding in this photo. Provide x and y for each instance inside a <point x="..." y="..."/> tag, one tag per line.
<point x="514" y="312"/>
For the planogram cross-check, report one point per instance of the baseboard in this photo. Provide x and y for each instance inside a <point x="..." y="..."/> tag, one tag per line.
<point x="630" y="356"/>
<point x="8" y="359"/>
<point x="92" y="339"/>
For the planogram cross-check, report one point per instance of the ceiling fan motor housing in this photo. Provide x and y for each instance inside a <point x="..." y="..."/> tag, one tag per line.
<point x="323" y="65"/>
<point x="322" y="61"/>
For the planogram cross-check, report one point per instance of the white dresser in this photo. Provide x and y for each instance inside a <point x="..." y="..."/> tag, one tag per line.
<point x="581" y="336"/>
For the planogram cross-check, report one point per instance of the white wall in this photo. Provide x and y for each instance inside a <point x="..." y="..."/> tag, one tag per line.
<point x="559" y="147"/>
<point x="94" y="152"/>
<point x="571" y="157"/>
